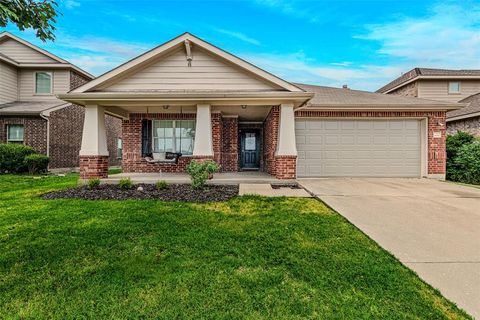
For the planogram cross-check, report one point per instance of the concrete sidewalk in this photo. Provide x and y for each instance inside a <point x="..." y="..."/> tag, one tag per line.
<point x="432" y="227"/>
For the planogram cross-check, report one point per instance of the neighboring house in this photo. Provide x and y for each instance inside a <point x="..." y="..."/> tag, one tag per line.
<point x="461" y="86"/>
<point x="30" y="112"/>
<point x="189" y="96"/>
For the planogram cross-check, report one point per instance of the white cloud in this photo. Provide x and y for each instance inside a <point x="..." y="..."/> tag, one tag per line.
<point x="297" y="67"/>
<point x="71" y="4"/>
<point x="238" y="35"/>
<point x="448" y="37"/>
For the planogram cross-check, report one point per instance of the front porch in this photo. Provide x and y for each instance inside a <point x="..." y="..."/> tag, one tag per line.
<point x="250" y="177"/>
<point x="256" y="139"/>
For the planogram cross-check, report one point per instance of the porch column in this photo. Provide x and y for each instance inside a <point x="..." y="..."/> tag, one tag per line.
<point x="203" y="145"/>
<point x="286" y="153"/>
<point x="94" y="153"/>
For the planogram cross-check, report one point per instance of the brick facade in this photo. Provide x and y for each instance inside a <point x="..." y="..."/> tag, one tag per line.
<point x="470" y="125"/>
<point x="285" y="167"/>
<point x="230" y="145"/>
<point x="35" y="131"/>
<point x="132" y="143"/>
<point x="436" y="160"/>
<point x="66" y="126"/>
<point x="410" y="90"/>
<point x="93" y="167"/>
<point x="270" y="136"/>
<point x="217" y="135"/>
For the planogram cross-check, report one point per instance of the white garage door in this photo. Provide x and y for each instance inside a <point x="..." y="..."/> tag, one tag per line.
<point x="358" y="148"/>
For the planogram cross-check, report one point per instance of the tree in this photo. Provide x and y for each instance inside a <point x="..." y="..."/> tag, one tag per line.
<point x="38" y="15"/>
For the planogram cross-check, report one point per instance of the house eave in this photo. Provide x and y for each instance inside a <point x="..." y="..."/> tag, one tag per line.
<point x="429" y="78"/>
<point x="179" y="98"/>
<point x="383" y="107"/>
<point x="463" y="116"/>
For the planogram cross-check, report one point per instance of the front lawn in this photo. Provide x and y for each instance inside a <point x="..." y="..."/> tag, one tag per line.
<point x="248" y="258"/>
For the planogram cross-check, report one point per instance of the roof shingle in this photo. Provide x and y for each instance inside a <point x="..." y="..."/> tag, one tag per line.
<point x="328" y="96"/>
<point x="416" y="72"/>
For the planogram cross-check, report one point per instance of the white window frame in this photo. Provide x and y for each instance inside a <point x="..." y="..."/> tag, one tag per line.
<point x="35" y="83"/>
<point x="454" y="92"/>
<point x="8" y="133"/>
<point x="174" y="138"/>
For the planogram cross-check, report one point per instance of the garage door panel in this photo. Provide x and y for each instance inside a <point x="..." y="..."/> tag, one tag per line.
<point x="376" y="148"/>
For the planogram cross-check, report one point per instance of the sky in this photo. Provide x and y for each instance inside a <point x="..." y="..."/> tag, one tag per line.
<point x="364" y="44"/>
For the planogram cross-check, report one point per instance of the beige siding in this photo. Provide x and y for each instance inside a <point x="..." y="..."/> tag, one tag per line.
<point x="438" y="89"/>
<point x="8" y="83"/>
<point x="206" y="73"/>
<point x="21" y="53"/>
<point x="61" y="84"/>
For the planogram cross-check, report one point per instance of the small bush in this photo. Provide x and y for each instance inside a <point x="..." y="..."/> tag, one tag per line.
<point x="161" y="185"/>
<point x="125" y="183"/>
<point x="36" y="163"/>
<point x="200" y="170"/>
<point x="12" y="157"/>
<point x="93" y="183"/>
<point x="467" y="164"/>
<point x="454" y="144"/>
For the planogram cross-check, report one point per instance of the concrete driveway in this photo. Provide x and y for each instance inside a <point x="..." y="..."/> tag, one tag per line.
<point x="433" y="227"/>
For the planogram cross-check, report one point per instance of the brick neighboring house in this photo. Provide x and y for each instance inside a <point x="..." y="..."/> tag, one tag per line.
<point x="188" y="96"/>
<point x="30" y="112"/>
<point x="461" y="86"/>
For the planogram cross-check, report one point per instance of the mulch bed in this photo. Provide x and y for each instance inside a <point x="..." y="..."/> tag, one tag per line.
<point x="174" y="192"/>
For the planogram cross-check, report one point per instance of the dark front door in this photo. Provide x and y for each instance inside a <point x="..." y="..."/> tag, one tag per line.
<point x="250" y="150"/>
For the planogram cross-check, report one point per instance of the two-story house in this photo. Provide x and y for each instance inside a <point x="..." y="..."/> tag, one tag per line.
<point x="30" y="112"/>
<point x="461" y="86"/>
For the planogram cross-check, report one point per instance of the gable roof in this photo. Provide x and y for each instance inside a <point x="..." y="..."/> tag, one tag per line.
<point x="183" y="39"/>
<point x="57" y="61"/>
<point x="429" y="73"/>
<point x="329" y="97"/>
<point x="471" y="110"/>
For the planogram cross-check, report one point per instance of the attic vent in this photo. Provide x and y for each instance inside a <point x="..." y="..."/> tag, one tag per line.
<point x="345" y="86"/>
<point x="188" y="53"/>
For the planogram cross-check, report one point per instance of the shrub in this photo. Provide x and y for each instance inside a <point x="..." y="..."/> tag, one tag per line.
<point x="93" y="183"/>
<point x="125" y="183"/>
<point x="161" y="185"/>
<point x="200" y="170"/>
<point x="454" y="144"/>
<point x="467" y="164"/>
<point x="12" y="157"/>
<point x="36" y="163"/>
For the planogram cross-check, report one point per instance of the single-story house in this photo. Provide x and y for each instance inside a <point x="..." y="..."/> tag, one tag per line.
<point x="188" y="96"/>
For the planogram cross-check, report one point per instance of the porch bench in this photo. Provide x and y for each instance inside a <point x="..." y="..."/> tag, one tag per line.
<point x="163" y="158"/>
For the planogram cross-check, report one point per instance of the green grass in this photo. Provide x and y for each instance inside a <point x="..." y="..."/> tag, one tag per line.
<point x="249" y="258"/>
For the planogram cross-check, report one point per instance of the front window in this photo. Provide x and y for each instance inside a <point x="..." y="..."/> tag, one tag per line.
<point x="173" y="136"/>
<point x="454" y="87"/>
<point x="43" y="82"/>
<point x="15" y="133"/>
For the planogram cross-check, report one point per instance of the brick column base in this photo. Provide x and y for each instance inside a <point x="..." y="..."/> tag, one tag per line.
<point x="93" y="167"/>
<point x="285" y="167"/>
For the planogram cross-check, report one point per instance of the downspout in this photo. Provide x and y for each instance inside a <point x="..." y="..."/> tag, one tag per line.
<point x="43" y="116"/>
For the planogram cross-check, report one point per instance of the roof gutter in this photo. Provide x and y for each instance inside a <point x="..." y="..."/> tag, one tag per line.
<point x="42" y="115"/>
<point x="464" y="116"/>
<point x="390" y="107"/>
